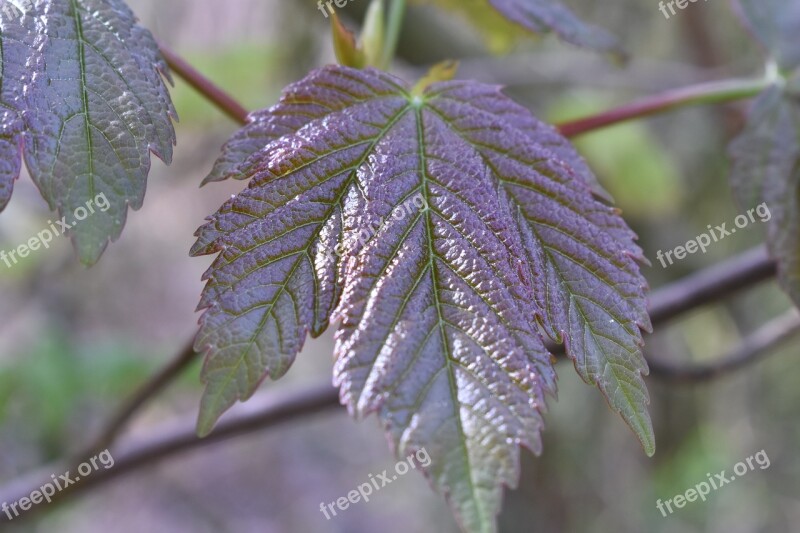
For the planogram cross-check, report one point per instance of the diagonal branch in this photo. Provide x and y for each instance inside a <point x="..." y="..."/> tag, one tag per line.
<point x="226" y="103"/>
<point x="696" y="290"/>
<point x="711" y="284"/>
<point x="752" y="349"/>
<point x="140" y="397"/>
<point x="273" y="410"/>
<point x="704" y="93"/>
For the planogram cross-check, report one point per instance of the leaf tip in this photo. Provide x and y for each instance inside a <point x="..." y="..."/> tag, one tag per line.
<point x="348" y="53"/>
<point x="205" y="425"/>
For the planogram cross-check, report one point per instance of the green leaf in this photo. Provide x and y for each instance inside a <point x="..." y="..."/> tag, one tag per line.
<point x="85" y="80"/>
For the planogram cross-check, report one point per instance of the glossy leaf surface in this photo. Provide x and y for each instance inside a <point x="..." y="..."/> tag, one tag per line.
<point x="440" y="226"/>
<point x="85" y="83"/>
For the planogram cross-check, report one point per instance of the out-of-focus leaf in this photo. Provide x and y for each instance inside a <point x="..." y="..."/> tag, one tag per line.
<point x="373" y="33"/>
<point x="497" y="32"/>
<point x="348" y="53"/>
<point x="775" y="24"/>
<point x="766" y="156"/>
<point x="438" y="225"/>
<point x="540" y="17"/>
<point x="766" y="170"/>
<point x="87" y="81"/>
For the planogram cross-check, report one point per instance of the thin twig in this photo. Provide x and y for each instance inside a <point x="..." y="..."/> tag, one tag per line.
<point x="181" y="437"/>
<point x="752" y="349"/>
<point x="146" y="391"/>
<point x="226" y="103"/>
<point x="693" y="291"/>
<point x="704" y="93"/>
<point x="175" y="438"/>
<point x="711" y="284"/>
<point x="701" y="288"/>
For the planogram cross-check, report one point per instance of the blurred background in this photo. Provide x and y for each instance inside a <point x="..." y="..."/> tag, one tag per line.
<point x="74" y="342"/>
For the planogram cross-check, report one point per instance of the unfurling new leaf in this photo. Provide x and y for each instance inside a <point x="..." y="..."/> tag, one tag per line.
<point x="82" y="96"/>
<point x="441" y="226"/>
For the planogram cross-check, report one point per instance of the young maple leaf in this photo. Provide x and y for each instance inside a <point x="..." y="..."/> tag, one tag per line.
<point x="440" y="301"/>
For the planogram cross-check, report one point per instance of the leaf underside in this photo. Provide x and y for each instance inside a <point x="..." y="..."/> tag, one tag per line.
<point x="82" y="90"/>
<point x="439" y="230"/>
<point x="766" y="155"/>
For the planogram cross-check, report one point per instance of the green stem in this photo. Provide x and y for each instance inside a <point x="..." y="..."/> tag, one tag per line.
<point x="393" y="26"/>
<point x="705" y="93"/>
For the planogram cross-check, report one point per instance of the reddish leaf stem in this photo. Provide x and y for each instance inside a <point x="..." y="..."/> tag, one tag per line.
<point x="704" y="93"/>
<point x="204" y="86"/>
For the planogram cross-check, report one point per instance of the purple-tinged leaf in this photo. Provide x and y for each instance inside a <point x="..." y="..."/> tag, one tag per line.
<point x="587" y="284"/>
<point x="775" y="24"/>
<point x="766" y="169"/>
<point x="10" y="153"/>
<point x="19" y="62"/>
<point x="94" y="108"/>
<point x="544" y="16"/>
<point x="766" y="156"/>
<point x="440" y="224"/>
<point x="275" y="280"/>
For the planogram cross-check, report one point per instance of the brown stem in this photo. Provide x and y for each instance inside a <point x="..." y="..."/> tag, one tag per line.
<point x="181" y="437"/>
<point x="175" y="438"/>
<point x="711" y="284"/>
<point x="132" y="405"/>
<point x="701" y="288"/>
<point x="705" y="93"/>
<point x="752" y="349"/>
